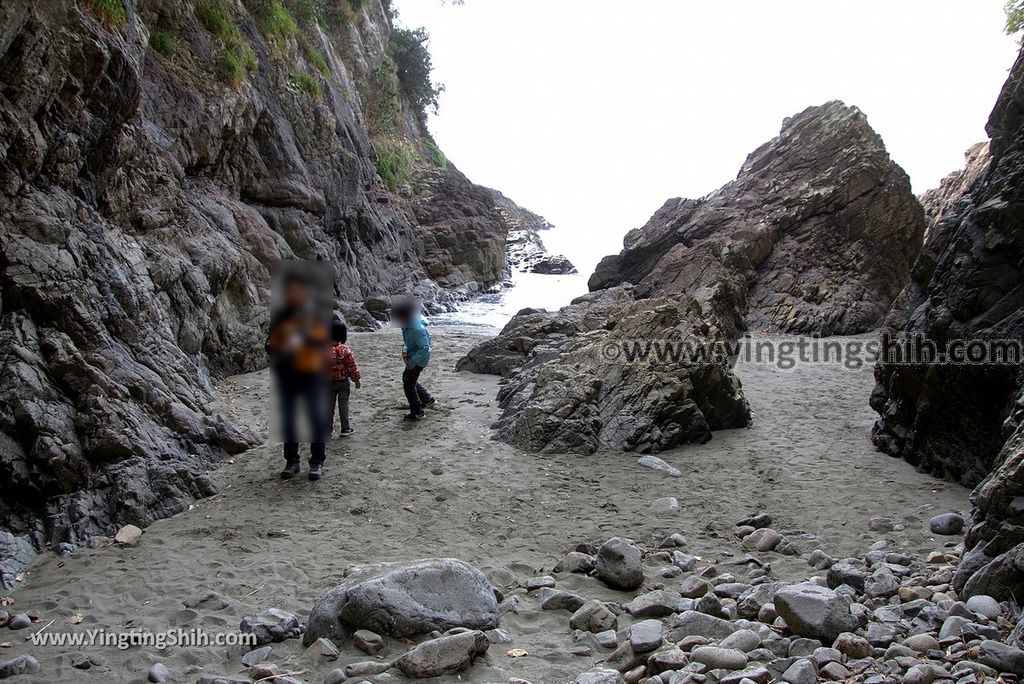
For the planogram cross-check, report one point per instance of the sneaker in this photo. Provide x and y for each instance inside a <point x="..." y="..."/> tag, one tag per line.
<point x="430" y="402"/>
<point x="316" y="471"/>
<point x="290" y="470"/>
<point x="346" y="433"/>
<point x="415" y="416"/>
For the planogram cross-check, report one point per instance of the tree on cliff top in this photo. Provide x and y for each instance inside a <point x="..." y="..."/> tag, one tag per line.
<point x="1014" y="16"/>
<point x="409" y="51"/>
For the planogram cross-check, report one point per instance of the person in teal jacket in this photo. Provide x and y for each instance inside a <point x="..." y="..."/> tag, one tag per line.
<point x="416" y="339"/>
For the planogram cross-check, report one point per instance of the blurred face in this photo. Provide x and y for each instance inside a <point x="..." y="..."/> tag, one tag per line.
<point x="295" y="293"/>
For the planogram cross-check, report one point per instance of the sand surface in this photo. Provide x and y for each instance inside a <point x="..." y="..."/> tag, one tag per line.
<point x="443" y="487"/>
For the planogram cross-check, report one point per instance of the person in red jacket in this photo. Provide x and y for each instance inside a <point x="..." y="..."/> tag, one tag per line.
<point x="343" y="373"/>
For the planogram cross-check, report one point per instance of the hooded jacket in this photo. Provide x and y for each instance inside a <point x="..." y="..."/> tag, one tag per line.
<point x="417" y="342"/>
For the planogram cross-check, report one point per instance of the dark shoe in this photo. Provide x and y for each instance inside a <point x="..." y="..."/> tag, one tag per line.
<point x="430" y="402"/>
<point x="291" y="470"/>
<point x="316" y="471"/>
<point x="415" y="416"/>
<point x="346" y="433"/>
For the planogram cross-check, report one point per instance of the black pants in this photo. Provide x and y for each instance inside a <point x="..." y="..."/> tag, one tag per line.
<point x="307" y="390"/>
<point x="338" y="392"/>
<point x="414" y="392"/>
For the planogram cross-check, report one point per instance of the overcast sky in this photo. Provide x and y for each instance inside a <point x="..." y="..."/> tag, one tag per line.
<point x="594" y="112"/>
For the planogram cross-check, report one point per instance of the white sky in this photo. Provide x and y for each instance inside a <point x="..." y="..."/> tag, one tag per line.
<point x="594" y="112"/>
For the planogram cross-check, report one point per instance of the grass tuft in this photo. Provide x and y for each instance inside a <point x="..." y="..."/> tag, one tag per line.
<point x="110" y="12"/>
<point x="163" y="42"/>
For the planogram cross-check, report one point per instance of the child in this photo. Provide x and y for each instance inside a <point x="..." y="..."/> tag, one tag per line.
<point x="343" y="369"/>
<point x="416" y="355"/>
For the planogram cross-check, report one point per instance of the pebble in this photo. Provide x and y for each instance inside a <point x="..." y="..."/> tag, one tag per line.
<point x="744" y="640"/>
<point x="922" y="643"/>
<point x="756" y="520"/>
<point x="985" y="605"/>
<point x="335" y="676"/>
<point x="576" y="562"/>
<point x="607" y="638"/>
<point x="763" y="539"/>
<point x="619" y="565"/>
<point x="645" y="636"/>
<point x="666" y="504"/>
<point x="716" y="657"/>
<point x="158" y="674"/>
<point x="801" y="672"/>
<point x="534" y="583"/>
<point x="694" y="587"/>
<point x="946" y="524"/>
<point x="1001" y="657"/>
<point x="257" y="655"/>
<point x="129" y="535"/>
<point x="593" y="616"/>
<point x="20" y="621"/>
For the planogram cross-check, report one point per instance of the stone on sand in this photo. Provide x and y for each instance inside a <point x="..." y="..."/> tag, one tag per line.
<point x="814" y="611"/>
<point x="619" y="565"/>
<point x="716" y="657"/>
<point x="801" y="672"/>
<point x="985" y="605"/>
<point x="406" y="599"/>
<point x="335" y="676"/>
<point x="946" y="524"/>
<point x="600" y="675"/>
<point x="446" y="655"/>
<point x="645" y="636"/>
<point x="256" y="656"/>
<point x="271" y="625"/>
<point x="129" y="535"/>
<point x="555" y="599"/>
<point x="20" y="621"/>
<point x="322" y="649"/>
<point x="694" y="623"/>
<point x="368" y="642"/>
<point x="762" y="539"/>
<point x="576" y="562"/>
<point x="655" y="604"/>
<point x="593" y="616"/>
<point x="23" y="664"/>
<point x="852" y="645"/>
<point x="158" y="674"/>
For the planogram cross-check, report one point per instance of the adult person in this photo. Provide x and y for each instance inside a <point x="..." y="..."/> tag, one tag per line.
<point x="297" y="345"/>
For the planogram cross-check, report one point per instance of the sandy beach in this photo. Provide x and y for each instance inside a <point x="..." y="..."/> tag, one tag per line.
<point x="444" y="488"/>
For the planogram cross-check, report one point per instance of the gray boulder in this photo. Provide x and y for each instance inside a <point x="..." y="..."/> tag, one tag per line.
<point x="405" y="599"/>
<point x="814" y="611"/>
<point x="619" y="565"/>
<point x="19" y="665"/>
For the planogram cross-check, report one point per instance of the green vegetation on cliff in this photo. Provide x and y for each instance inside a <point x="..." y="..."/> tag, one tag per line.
<point x="414" y="68"/>
<point x="1014" y="16"/>
<point x="236" y="58"/>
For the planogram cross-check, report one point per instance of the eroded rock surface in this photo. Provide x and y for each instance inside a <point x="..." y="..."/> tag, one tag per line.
<point x="816" y="235"/>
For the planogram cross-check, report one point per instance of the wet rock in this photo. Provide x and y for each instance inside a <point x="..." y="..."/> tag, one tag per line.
<point x="406" y="599"/>
<point x="593" y="616"/>
<point x="446" y="655"/>
<point x="815" y="611"/>
<point x="947" y="524"/>
<point x="271" y="625"/>
<point x="619" y="565"/>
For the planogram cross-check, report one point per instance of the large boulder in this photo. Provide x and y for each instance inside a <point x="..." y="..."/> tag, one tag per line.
<point x="816" y="235"/>
<point x="619" y="564"/>
<point x="404" y="600"/>
<point x="814" y="611"/>
<point x="586" y="377"/>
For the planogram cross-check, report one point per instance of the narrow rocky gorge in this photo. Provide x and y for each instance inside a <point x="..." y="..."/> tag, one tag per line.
<point x="158" y="161"/>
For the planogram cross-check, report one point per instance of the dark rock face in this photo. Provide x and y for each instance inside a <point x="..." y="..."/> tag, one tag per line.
<point x="938" y="201"/>
<point x="525" y="248"/>
<point x="816" y="235"/>
<point x="143" y="206"/>
<point x="964" y="421"/>
<point x="949" y="419"/>
<point x="571" y="386"/>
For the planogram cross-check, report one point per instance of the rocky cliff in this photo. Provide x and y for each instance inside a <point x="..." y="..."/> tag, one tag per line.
<point x="948" y="419"/>
<point x="963" y="421"/>
<point x="157" y="160"/>
<point x="816" y="235"/>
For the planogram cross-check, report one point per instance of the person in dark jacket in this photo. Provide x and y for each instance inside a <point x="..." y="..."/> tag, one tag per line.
<point x="416" y="355"/>
<point x="297" y="345"/>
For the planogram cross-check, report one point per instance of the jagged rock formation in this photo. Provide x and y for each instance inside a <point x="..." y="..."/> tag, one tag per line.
<point x="816" y="235"/>
<point x="963" y="421"/>
<point x="525" y="248"/>
<point x="954" y="186"/>
<point x="966" y="284"/>
<point x="572" y="387"/>
<point x="154" y="167"/>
